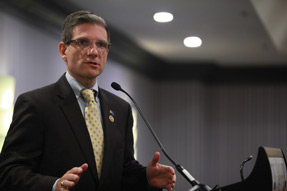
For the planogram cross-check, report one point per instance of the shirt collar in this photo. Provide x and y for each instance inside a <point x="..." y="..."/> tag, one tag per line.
<point x="77" y="86"/>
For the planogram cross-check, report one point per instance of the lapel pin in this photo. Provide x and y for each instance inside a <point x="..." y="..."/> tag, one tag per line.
<point x="112" y="113"/>
<point x="111" y="116"/>
<point x="112" y="119"/>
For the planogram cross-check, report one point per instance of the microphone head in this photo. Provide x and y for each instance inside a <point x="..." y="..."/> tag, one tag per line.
<point x="116" y="86"/>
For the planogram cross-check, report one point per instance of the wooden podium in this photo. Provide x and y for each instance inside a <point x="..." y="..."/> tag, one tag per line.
<point x="268" y="174"/>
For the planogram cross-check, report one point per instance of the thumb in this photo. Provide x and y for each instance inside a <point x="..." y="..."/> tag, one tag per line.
<point x="84" y="167"/>
<point x="155" y="159"/>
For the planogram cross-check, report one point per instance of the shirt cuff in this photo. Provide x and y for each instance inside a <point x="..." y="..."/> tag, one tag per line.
<point x="55" y="184"/>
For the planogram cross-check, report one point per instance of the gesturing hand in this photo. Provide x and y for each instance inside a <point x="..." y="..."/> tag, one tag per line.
<point x="70" y="178"/>
<point x="159" y="175"/>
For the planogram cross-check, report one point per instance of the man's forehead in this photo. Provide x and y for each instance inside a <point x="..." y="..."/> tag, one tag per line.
<point x="85" y="28"/>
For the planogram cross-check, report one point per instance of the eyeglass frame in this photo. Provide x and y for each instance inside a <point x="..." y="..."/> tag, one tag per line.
<point x="99" y="46"/>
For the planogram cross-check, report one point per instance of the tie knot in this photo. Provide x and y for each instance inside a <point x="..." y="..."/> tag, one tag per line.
<point x="88" y="94"/>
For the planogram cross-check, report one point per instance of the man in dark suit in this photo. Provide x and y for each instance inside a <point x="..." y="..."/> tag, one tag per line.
<point x="48" y="146"/>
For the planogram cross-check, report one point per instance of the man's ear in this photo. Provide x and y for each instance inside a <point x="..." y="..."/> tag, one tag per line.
<point x="62" y="50"/>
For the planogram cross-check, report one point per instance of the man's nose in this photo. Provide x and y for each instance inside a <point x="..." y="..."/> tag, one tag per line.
<point x="93" y="50"/>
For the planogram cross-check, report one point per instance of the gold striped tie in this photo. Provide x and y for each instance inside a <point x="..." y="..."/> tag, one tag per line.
<point x="94" y="126"/>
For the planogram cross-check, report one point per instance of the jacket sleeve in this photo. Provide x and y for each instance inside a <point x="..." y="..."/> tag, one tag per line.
<point x="21" y="151"/>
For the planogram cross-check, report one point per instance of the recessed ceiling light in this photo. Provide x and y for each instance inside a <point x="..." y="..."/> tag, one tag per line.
<point x="192" y="42"/>
<point x="163" y="17"/>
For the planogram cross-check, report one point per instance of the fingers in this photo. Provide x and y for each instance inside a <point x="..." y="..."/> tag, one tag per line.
<point x="172" y="179"/>
<point x="171" y="183"/>
<point x="159" y="175"/>
<point x="170" y="170"/>
<point x="71" y="178"/>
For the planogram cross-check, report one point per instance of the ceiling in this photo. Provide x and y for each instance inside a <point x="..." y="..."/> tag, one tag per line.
<point x="235" y="34"/>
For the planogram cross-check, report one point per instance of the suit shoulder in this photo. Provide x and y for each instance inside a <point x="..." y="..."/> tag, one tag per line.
<point x="112" y="97"/>
<point x="39" y="92"/>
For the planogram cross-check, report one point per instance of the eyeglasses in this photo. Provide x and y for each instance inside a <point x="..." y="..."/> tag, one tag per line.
<point x="87" y="43"/>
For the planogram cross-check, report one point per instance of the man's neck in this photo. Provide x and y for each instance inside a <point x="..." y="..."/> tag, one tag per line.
<point x="86" y="82"/>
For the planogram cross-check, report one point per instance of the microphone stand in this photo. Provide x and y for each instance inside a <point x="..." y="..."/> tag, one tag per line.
<point x="242" y="165"/>
<point x="196" y="186"/>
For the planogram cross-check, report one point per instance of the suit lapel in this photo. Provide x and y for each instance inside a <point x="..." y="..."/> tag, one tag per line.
<point x="109" y="124"/>
<point x="73" y="114"/>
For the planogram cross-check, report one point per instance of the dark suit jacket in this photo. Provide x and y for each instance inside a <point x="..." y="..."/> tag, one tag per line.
<point x="48" y="136"/>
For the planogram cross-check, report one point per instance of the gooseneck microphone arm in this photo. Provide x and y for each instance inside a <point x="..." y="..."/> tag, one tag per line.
<point x="180" y="169"/>
<point x="118" y="87"/>
<point x="242" y="165"/>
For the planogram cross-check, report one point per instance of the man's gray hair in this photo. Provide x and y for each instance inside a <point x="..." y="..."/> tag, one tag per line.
<point x="78" y="18"/>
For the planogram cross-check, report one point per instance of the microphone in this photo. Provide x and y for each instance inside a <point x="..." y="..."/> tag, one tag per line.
<point x="195" y="184"/>
<point x="242" y="165"/>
